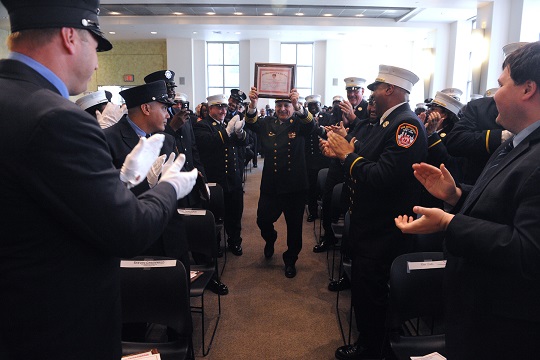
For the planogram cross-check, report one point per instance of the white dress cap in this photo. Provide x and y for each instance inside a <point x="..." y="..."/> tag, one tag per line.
<point x="453" y="92"/>
<point x="490" y="92"/>
<point x="217" y="100"/>
<point x="313" y="99"/>
<point x="447" y="102"/>
<point x="338" y="98"/>
<point x="393" y="75"/>
<point x="87" y="101"/>
<point x="421" y="106"/>
<point x="476" y="96"/>
<point x="510" y="48"/>
<point x="353" y="83"/>
<point x="180" y="97"/>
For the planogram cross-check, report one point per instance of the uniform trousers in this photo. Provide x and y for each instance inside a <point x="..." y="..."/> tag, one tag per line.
<point x="232" y="220"/>
<point x="270" y="208"/>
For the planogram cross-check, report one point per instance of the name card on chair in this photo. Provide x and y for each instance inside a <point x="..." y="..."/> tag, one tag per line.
<point x="424" y="265"/>
<point x="147" y="263"/>
<point x="211" y="184"/>
<point x="188" y="212"/>
<point x="432" y="356"/>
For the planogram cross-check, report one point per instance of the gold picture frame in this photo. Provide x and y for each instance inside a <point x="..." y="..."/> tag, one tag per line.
<point x="274" y="80"/>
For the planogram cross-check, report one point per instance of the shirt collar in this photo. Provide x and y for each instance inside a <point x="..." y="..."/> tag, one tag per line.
<point x="388" y="112"/>
<point x="137" y="129"/>
<point x="43" y="71"/>
<point x="525" y="132"/>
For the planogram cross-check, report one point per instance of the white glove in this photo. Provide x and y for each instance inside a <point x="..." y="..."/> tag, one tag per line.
<point x="239" y="127"/>
<point x="182" y="182"/>
<point x="139" y="161"/>
<point x="111" y="115"/>
<point x="168" y="163"/>
<point x="230" y="125"/>
<point x="155" y="170"/>
<point x="505" y="135"/>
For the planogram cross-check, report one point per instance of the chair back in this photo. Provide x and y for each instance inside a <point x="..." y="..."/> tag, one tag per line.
<point x="416" y="292"/>
<point x="217" y="202"/>
<point x="321" y="179"/>
<point x="201" y="232"/>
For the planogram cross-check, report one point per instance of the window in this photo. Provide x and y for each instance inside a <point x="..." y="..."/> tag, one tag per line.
<point x="223" y="68"/>
<point x="300" y="54"/>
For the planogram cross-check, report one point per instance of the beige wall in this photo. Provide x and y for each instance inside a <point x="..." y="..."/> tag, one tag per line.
<point x="3" y="47"/>
<point x="139" y="58"/>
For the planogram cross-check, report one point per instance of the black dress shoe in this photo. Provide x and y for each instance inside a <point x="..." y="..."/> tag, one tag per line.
<point x="290" y="271"/>
<point x="311" y="218"/>
<point x="217" y="287"/>
<point x="341" y="284"/>
<point x="269" y="249"/>
<point x="236" y="249"/>
<point x="355" y="352"/>
<point x="324" y="245"/>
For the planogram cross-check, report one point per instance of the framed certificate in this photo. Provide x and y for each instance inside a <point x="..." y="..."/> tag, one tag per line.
<point x="274" y="80"/>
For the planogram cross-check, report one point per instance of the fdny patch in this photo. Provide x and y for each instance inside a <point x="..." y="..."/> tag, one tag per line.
<point x="292" y="135"/>
<point x="359" y="108"/>
<point x="406" y="135"/>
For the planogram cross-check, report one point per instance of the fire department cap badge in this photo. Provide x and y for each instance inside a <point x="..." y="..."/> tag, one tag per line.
<point x="406" y="135"/>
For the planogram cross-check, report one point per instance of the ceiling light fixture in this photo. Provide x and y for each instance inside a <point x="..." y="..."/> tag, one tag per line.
<point x="238" y="13"/>
<point x="299" y="14"/>
<point x="268" y="14"/>
<point x="112" y="32"/>
<point x="210" y="13"/>
<point x="359" y="15"/>
<point x="114" y="13"/>
<point x="178" y="13"/>
<point x="153" y="32"/>
<point x="237" y="32"/>
<point x="327" y="15"/>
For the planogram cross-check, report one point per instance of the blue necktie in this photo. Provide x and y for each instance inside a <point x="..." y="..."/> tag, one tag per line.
<point x="488" y="172"/>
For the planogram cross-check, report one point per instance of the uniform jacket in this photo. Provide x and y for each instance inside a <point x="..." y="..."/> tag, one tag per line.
<point x="314" y="157"/>
<point x="219" y="154"/>
<point x="380" y="176"/>
<point x="494" y="244"/>
<point x="475" y="136"/>
<point x="283" y="146"/>
<point x="67" y="219"/>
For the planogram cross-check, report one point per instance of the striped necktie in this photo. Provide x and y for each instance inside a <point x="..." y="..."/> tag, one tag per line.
<point x="488" y="172"/>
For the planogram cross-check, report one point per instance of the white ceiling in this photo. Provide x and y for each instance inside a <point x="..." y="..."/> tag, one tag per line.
<point x="422" y="16"/>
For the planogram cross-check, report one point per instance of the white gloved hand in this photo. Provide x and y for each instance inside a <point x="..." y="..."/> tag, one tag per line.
<point x="139" y="161"/>
<point x="230" y="125"/>
<point x="111" y="115"/>
<point x="239" y="127"/>
<point x="155" y="170"/>
<point x="505" y="135"/>
<point x="182" y="182"/>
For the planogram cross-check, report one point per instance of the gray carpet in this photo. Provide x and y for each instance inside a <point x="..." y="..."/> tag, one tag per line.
<point x="265" y="315"/>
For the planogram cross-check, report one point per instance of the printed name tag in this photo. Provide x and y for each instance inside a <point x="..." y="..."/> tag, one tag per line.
<point x="147" y="263"/>
<point x="424" y="265"/>
<point x="189" y="212"/>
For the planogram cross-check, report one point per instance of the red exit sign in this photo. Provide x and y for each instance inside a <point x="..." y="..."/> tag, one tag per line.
<point x="129" y="78"/>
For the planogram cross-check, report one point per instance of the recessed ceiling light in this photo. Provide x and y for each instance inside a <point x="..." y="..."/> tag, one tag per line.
<point x="153" y="32"/>
<point x="238" y="13"/>
<point x="237" y="32"/>
<point x="178" y="13"/>
<point x="359" y="15"/>
<point x="327" y="14"/>
<point x="268" y="14"/>
<point x="112" y="32"/>
<point x="194" y="32"/>
<point x="210" y="13"/>
<point x="114" y="13"/>
<point x="299" y="14"/>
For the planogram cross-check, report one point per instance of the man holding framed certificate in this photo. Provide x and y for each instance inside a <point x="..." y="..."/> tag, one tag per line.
<point x="284" y="177"/>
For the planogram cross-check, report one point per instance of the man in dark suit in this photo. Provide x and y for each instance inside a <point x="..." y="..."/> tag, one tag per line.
<point x="67" y="217"/>
<point x="284" y="177"/>
<point x="145" y="117"/>
<point x="380" y="180"/>
<point x="218" y="144"/>
<point x="492" y="242"/>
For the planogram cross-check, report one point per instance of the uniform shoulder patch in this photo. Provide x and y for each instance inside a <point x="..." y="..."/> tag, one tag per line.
<point x="406" y="135"/>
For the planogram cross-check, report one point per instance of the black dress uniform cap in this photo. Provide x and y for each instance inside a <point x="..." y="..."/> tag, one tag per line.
<point x="142" y="94"/>
<point x="238" y="95"/>
<point x="40" y="14"/>
<point x="165" y="75"/>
